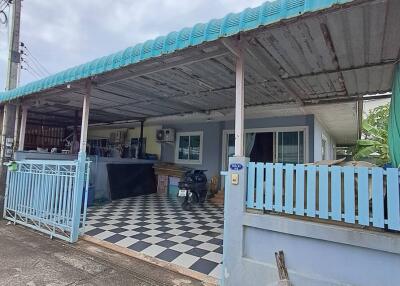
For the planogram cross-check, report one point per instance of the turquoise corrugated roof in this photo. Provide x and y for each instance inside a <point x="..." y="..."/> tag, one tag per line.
<point x="232" y="24"/>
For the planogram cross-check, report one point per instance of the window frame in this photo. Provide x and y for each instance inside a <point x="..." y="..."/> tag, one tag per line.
<point x="276" y="155"/>
<point x="303" y="128"/>
<point x="188" y="161"/>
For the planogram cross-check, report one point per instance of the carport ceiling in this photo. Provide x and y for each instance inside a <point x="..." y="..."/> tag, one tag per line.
<point x="338" y="54"/>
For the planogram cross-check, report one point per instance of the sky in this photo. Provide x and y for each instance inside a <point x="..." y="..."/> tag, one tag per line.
<point x="61" y="34"/>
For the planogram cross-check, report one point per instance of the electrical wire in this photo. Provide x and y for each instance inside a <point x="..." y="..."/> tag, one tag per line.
<point x="32" y="65"/>
<point x="3" y="16"/>
<point x="33" y="70"/>
<point x="35" y="61"/>
<point x="25" y="69"/>
<point x="3" y="5"/>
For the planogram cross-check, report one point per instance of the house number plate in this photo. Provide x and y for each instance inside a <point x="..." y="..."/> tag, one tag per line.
<point x="236" y="166"/>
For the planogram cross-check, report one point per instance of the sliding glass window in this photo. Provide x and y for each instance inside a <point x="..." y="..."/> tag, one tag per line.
<point x="290" y="147"/>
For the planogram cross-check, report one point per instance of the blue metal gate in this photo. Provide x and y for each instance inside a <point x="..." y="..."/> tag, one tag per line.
<point x="49" y="196"/>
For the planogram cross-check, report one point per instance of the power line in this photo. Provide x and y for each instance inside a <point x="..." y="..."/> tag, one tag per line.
<point x="33" y="70"/>
<point x="4" y="4"/>
<point x="33" y="66"/>
<point x="36" y="62"/>
<point x="3" y="16"/>
<point x="25" y="69"/>
<point x="29" y="53"/>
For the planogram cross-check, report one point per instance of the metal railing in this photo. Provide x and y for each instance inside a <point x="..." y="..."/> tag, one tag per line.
<point x="44" y="195"/>
<point x="355" y="195"/>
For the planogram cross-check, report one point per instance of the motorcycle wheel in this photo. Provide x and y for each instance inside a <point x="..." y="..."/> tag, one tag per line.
<point x="186" y="206"/>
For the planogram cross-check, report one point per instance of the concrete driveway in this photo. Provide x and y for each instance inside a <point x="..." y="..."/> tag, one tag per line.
<point x="31" y="259"/>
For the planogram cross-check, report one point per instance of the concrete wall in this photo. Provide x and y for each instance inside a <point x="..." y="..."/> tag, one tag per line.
<point x="212" y="138"/>
<point x="289" y="121"/>
<point x="320" y="132"/>
<point x="315" y="253"/>
<point x="318" y="254"/>
<point x="149" y="132"/>
<point x="212" y="141"/>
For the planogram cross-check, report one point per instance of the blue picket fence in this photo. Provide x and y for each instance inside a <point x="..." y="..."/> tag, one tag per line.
<point x="43" y="195"/>
<point x="355" y="195"/>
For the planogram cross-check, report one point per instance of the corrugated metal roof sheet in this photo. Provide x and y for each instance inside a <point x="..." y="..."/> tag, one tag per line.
<point x="231" y="24"/>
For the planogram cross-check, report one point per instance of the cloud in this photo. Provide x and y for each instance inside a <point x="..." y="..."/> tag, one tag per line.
<point x="63" y="33"/>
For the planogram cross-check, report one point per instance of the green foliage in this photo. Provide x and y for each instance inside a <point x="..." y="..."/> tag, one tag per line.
<point x="374" y="145"/>
<point x="378" y="117"/>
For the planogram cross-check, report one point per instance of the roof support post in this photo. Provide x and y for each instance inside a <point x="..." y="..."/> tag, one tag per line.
<point x="85" y="118"/>
<point x="24" y="117"/>
<point x="239" y="104"/>
<point x="81" y="167"/>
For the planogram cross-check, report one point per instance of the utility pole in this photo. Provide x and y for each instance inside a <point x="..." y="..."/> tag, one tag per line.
<point x="9" y="109"/>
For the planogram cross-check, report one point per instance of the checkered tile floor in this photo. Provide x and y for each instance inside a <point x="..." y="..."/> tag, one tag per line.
<point x="156" y="225"/>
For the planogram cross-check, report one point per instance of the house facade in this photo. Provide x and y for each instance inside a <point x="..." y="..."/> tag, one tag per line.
<point x="253" y="97"/>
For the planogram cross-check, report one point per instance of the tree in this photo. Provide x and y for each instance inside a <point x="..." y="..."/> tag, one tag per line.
<point x="374" y="144"/>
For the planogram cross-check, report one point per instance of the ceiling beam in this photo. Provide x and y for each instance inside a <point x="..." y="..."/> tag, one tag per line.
<point x="54" y="115"/>
<point x="346" y="98"/>
<point x="142" y="112"/>
<point x="156" y="97"/>
<point x="264" y="60"/>
<point x="335" y="71"/>
<point x="331" y="49"/>
<point x="164" y="64"/>
<point x="233" y="46"/>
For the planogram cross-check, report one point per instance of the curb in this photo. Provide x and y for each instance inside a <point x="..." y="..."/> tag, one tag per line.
<point x="207" y="280"/>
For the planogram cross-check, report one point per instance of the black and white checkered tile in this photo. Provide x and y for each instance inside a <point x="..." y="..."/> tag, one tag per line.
<point x="157" y="226"/>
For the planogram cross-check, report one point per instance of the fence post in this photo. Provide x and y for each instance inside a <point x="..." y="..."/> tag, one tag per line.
<point x="78" y="192"/>
<point x="235" y="201"/>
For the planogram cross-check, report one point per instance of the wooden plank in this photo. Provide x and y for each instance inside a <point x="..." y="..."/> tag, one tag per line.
<point x="323" y="191"/>
<point x="363" y="196"/>
<point x="269" y="180"/>
<point x="250" y="185"/>
<point x="289" y="189"/>
<point x="311" y="190"/>
<point x="349" y="195"/>
<point x="377" y="198"/>
<point x="393" y="203"/>
<point x="299" y="210"/>
<point x="336" y="192"/>
<point x="278" y="187"/>
<point x="260" y="186"/>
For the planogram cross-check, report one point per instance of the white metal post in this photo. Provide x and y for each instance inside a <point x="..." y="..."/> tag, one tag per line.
<point x="81" y="167"/>
<point x="22" y="130"/>
<point x="85" y="118"/>
<point x="239" y="107"/>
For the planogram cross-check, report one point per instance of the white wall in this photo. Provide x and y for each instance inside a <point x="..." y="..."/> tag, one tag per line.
<point x="319" y="133"/>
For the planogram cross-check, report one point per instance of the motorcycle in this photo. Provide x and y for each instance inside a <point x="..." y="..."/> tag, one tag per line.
<point x="193" y="188"/>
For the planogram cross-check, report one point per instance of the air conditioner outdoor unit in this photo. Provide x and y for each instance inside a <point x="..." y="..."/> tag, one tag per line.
<point x="165" y="135"/>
